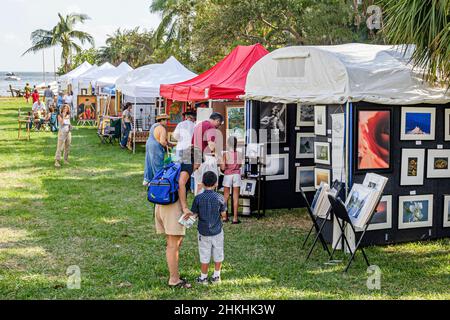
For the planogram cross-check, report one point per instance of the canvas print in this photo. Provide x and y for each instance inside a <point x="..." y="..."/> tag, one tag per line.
<point x="320" y="120"/>
<point x="413" y="167"/>
<point x="447" y="211"/>
<point x="175" y="111"/>
<point x="374" y="140"/>
<point x="276" y="167"/>
<point x="305" y="116"/>
<point x="305" y="179"/>
<point x="418" y="123"/>
<point x="305" y="145"/>
<point x="322" y="153"/>
<point x="382" y="218"/>
<point x="438" y="163"/>
<point x="321" y="176"/>
<point x="273" y="119"/>
<point x="235" y="123"/>
<point x="415" y="211"/>
<point x="447" y="125"/>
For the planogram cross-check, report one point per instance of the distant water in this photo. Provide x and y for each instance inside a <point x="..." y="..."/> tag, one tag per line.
<point x="33" y="78"/>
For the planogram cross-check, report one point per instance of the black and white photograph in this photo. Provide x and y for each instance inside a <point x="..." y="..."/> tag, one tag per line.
<point x="320" y="120"/>
<point x="248" y="187"/>
<point x="305" y="179"/>
<point x="305" y="145"/>
<point x="305" y="115"/>
<point x="413" y="167"/>
<point x="438" y="164"/>
<point x="273" y="119"/>
<point x="276" y="167"/>
<point x="322" y="153"/>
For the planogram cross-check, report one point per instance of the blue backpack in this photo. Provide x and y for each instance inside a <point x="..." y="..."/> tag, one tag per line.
<point x="163" y="189"/>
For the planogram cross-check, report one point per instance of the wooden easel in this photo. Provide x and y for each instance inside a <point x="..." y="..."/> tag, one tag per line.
<point x="21" y="121"/>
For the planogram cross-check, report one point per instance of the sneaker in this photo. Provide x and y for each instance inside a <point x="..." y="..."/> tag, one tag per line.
<point x="216" y="280"/>
<point x="202" y="281"/>
<point x="57" y="164"/>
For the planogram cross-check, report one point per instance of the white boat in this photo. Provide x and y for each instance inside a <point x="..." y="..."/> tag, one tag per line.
<point x="11" y="76"/>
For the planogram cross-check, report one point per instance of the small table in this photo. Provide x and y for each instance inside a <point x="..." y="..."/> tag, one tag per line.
<point x="141" y="138"/>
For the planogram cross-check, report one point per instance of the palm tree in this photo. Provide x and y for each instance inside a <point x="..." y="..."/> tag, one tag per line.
<point x="426" y="24"/>
<point x="64" y="35"/>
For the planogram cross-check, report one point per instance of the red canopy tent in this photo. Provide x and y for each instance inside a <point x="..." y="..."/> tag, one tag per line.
<point x="225" y="81"/>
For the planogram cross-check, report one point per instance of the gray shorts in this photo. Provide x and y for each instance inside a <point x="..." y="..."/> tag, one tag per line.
<point x="211" y="246"/>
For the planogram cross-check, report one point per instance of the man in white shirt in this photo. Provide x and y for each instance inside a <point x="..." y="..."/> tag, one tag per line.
<point x="183" y="134"/>
<point x="38" y="107"/>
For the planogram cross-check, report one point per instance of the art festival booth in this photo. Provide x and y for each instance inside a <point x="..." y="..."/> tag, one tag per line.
<point x="340" y="112"/>
<point x="65" y="81"/>
<point x="141" y="87"/>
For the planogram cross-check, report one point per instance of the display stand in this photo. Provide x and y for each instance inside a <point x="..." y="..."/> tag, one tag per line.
<point x="260" y="180"/>
<point x="27" y="122"/>
<point x="338" y="208"/>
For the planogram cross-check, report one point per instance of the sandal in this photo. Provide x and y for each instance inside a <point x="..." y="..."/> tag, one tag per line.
<point x="183" y="284"/>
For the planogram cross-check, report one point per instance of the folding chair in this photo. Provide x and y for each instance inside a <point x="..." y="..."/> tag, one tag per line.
<point x="340" y="211"/>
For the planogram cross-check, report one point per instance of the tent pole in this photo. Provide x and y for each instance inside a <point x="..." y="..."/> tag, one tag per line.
<point x="347" y="148"/>
<point x="134" y="129"/>
<point x="210" y="103"/>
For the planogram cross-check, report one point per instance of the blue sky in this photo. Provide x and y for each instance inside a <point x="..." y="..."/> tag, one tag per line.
<point x="21" y="17"/>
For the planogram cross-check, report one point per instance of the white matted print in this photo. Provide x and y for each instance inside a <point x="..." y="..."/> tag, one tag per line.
<point x="322" y="153"/>
<point x="248" y="187"/>
<point x="418" y="124"/>
<point x="276" y="167"/>
<point x="382" y="218"/>
<point x="415" y="211"/>
<point x="447" y="212"/>
<point x="438" y="163"/>
<point x="305" y="179"/>
<point x="447" y="125"/>
<point x="320" y="120"/>
<point x="305" y="116"/>
<point x="413" y="167"/>
<point x="305" y="145"/>
<point x="321" y="175"/>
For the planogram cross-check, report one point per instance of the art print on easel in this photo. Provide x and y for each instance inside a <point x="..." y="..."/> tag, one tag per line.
<point x="415" y="211"/>
<point x="418" y="124"/>
<point x="305" y="116"/>
<point x="320" y="120"/>
<point x="273" y="119"/>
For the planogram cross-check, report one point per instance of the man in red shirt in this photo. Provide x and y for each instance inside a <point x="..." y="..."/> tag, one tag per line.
<point x="35" y="96"/>
<point x="206" y="135"/>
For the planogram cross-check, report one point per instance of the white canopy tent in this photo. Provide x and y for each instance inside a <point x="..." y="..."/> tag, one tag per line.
<point x="66" y="79"/>
<point x="339" y="74"/>
<point x="85" y="80"/>
<point x="143" y="84"/>
<point x="110" y="77"/>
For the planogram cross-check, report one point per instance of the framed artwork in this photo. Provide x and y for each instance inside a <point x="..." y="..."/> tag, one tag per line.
<point x="171" y="138"/>
<point x="322" y="153"/>
<point x="418" y="123"/>
<point x="320" y="120"/>
<point x="235" y="123"/>
<point x="305" y="179"/>
<point x="276" y="167"/>
<point x="373" y="140"/>
<point x="415" y="211"/>
<point x="305" y="145"/>
<point x="86" y="107"/>
<point x="413" y="167"/>
<point x="175" y="111"/>
<point x="382" y="218"/>
<point x="446" y="211"/>
<point x="305" y="116"/>
<point x="248" y="187"/>
<point x="447" y="125"/>
<point x="321" y="175"/>
<point x="358" y="203"/>
<point x="438" y="163"/>
<point x="273" y="119"/>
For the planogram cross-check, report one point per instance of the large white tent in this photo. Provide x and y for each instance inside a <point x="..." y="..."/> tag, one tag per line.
<point x="110" y="76"/>
<point x="66" y="79"/>
<point x="339" y="74"/>
<point x="86" y="79"/>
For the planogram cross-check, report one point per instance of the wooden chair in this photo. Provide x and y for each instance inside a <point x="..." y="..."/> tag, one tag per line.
<point x="24" y="121"/>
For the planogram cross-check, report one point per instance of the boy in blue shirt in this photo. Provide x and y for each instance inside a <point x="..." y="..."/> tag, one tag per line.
<point x="210" y="208"/>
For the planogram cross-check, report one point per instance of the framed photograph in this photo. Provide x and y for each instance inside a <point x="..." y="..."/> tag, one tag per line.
<point x="171" y="138"/>
<point x="175" y="111"/>
<point x="321" y="175"/>
<point x="358" y="204"/>
<point x="248" y="187"/>
<point x="305" y="179"/>
<point x="413" y="167"/>
<point x="305" y="145"/>
<point x="418" y="124"/>
<point x="320" y="120"/>
<point x="415" y="211"/>
<point x="273" y="119"/>
<point x="447" y="125"/>
<point x="235" y="123"/>
<point x="305" y="116"/>
<point x="373" y="140"/>
<point x="382" y="218"/>
<point x="438" y="163"/>
<point x="322" y="153"/>
<point x="447" y="211"/>
<point x="276" y="167"/>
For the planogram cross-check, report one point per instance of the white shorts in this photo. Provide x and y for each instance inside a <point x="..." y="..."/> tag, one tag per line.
<point x="232" y="181"/>
<point x="211" y="246"/>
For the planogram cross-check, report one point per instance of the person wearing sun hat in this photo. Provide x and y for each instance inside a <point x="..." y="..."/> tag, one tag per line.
<point x="156" y="148"/>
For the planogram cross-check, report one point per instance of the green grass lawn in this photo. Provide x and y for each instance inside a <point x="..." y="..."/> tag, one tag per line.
<point x="94" y="214"/>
